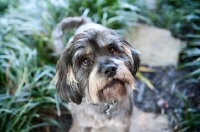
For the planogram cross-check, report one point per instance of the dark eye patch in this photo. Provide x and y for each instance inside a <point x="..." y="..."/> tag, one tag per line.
<point x="84" y="60"/>
<point x="113" y="49"/>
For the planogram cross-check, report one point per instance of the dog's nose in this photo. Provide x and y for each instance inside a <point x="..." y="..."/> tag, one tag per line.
<point x="109" y="70"/>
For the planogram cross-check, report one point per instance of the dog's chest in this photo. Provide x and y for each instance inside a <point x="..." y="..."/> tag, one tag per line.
<point x="98" y="115"/>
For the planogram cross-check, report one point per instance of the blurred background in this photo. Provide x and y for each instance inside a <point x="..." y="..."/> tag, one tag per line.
<point x="166" y="32"/>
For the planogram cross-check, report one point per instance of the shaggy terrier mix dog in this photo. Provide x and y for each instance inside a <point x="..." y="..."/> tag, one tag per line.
<point x="95" y="74"/>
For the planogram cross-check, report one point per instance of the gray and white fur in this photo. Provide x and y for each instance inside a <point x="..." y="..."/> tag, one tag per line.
<point x="95" y="74"/>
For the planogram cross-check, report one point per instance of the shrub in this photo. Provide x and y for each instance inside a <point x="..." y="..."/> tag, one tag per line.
<point x="27" y="64"/>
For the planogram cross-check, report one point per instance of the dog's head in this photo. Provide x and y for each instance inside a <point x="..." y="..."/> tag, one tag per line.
<point x="97" y="65"/>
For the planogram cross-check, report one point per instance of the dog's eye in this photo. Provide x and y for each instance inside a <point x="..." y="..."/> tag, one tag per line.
<point x="112" y="51"/>
<point x="86" y="61"/>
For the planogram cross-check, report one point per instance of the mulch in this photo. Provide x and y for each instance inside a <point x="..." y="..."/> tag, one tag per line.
<point x="169" y="94"/>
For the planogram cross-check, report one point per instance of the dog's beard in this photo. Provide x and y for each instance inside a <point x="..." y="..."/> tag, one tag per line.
<point x="104" y="89"/>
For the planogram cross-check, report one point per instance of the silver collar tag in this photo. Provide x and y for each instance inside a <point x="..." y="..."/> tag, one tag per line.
<point x="110" y="106"/>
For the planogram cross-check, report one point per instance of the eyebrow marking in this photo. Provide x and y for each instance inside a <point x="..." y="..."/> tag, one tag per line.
<point x="81" y="53"/>
<point x="128" y="51"/>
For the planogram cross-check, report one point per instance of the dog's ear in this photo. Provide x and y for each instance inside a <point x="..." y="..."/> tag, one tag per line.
<point x="65" y="82"/>
<point x="134" y="55"/>
<point x="136" y="60"/>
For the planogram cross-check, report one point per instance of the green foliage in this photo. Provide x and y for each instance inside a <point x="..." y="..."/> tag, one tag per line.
<point x="26" y="68"/>
<point x="5" y="3"/>
<point x="25" y="93"/>
<point x="188" y="116"/>
<point x="27" y="63"/>
<point x="114" y="14"/>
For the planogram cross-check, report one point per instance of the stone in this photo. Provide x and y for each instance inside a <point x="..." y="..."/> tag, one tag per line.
<point x="157" y="46"/>
<point x="148" y="122"/>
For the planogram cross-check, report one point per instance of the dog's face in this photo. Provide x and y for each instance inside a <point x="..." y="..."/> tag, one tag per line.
<point x="97" y="65"/>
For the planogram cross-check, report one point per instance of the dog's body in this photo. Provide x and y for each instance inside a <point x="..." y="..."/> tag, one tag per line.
<point x="95" y="74"/>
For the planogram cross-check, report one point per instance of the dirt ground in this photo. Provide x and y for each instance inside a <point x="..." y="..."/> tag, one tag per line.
<point x="164" y="99"/>
<point x="161" y="101"/>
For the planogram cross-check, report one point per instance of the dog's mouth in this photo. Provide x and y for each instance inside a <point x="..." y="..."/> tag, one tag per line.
<point x="112" y="83"/>
<point x="112" y="91"/>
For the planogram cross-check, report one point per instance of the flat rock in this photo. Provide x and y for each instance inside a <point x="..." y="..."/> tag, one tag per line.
<point x="148" y="122"/>
<point x="157" y="46"/>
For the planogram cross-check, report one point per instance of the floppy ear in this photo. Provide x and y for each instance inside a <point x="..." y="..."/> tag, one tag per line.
<point x="136" y="60"/>
<point x="134" y="55"/>
<point x="65" y="82"/>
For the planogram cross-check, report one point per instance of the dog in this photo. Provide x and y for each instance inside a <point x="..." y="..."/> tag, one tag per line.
<point x="95" y="75"/>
